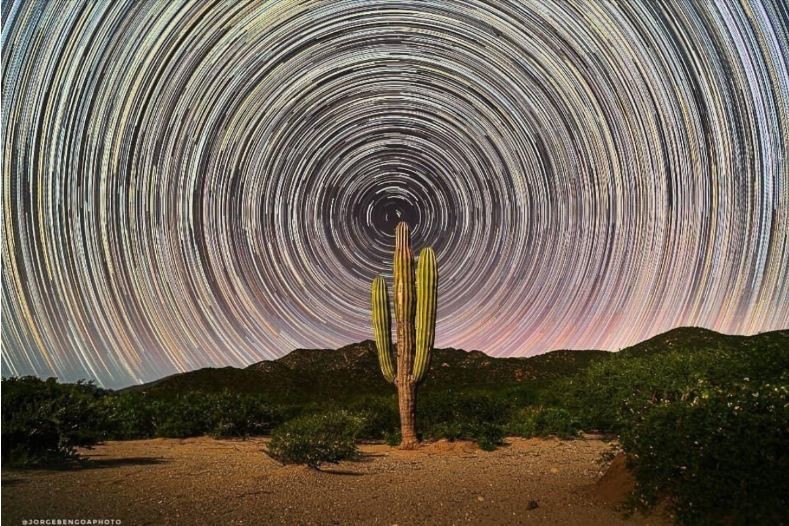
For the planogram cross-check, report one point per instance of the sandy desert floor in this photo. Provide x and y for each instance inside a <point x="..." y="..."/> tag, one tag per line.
<point x="204" y="481"/>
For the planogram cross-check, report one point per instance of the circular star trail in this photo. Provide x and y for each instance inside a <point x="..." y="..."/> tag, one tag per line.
<point x="190" y="184"/>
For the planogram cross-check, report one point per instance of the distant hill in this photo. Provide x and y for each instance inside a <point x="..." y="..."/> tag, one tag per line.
<point x="692" y="338"/>
<point x="306" y="375"/>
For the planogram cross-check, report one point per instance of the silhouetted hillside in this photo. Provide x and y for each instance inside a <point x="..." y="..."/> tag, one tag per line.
<point x="306" y="375"/>
<point x="690" y="338"/>
<point x="351" y="371"/>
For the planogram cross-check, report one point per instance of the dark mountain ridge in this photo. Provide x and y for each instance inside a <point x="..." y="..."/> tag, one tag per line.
<point x="351" y="371"/>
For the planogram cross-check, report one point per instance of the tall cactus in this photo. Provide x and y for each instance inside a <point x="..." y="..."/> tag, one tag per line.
<point x="415" y="312"/>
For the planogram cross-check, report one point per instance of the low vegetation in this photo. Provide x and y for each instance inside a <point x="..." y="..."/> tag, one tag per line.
<point x="316" y="439"/>
<point x="705" y="427"/>
<point x="44" y="421"/>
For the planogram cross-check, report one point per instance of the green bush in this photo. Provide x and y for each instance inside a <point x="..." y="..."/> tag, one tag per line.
<point x="488" y="436"/>
<point x="527" y="394"/>
<point x="555" y="421"/>
<point x="130" y="416"/>
<point x="226" y="414"/>
<point x="614" y="394"/>
<point x="476" y="416"/>
<point x="546" y="421"/>
<point x="393" y="439"/>
<point x="243" y="415"/>
<point x="44" y="421"/>
<point x="186" y="415"/>
<point x="721" y="456"/>
<point x="449" y="430"/>
<point x="705" y="428"/>
<point x="521" y="423"/>
<point x="379" y="415"/>
<point x="315" y="439"/>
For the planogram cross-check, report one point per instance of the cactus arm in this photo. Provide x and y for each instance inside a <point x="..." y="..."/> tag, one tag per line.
<point x="382" y="327"/>
<point x="426" y="292"/>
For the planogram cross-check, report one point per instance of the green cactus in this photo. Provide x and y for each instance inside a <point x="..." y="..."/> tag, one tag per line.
<point x="426" y="293"/>
<point x="382" y="327"/>
<point x="415" y="299"/>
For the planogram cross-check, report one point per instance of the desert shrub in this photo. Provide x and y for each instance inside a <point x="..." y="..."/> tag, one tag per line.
<point x="44" y="421"/>
<point x="614" y="394"/>
<point x="705" y="428"/>
<point x="185" y="415"/>
<point x="225" y="414"/>
<point x="236" y="415"/>
<point x="523" y="395"/>
<point x="130" y="416"/>
<point x="393" y="439"/>
<point x="487" y="435"/>
<point x="379" y="416"/>
<point x="543" y="421"/>
<point x="720" y="456"/>
<point x="316" y="439"/>
<point x="457" y="415"/>
<point x="556" y="421"/>
<point x="521" y="423"/>
<point x="449" y="430"/>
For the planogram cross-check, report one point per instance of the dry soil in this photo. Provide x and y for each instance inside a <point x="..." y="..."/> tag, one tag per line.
<point x="204" y="481"/>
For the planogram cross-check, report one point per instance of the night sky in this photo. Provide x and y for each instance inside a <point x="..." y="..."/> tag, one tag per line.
<point x="215" y="183"/>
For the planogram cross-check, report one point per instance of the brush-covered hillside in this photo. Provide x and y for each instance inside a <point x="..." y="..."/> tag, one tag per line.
<point x="306" y="375"/>
<point x="348" y="372"/>
<point x="697" y="338"/>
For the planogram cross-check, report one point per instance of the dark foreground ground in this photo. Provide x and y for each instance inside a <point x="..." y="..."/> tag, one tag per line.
<point x="204" y="481"/>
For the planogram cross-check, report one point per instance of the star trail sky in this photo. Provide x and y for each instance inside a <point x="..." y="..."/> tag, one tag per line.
<point x="190" y="184"/>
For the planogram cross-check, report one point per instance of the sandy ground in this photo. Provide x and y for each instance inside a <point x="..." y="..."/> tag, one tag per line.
<point x="204" y="481"/>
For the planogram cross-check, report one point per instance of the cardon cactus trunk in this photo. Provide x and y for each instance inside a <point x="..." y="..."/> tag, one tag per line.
<point x="415" y="313"/>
